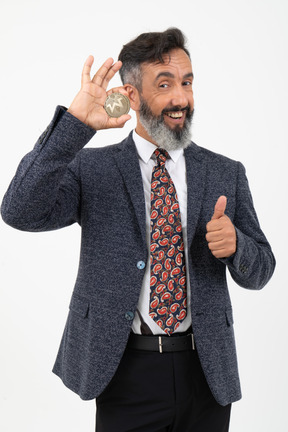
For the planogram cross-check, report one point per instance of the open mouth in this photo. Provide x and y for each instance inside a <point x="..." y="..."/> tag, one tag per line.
<point x="175" y="115"/>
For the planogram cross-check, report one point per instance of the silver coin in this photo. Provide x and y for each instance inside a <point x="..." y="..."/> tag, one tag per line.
<point x="117" y="105"/>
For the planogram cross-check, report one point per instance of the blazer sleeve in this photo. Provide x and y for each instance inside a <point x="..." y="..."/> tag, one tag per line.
<point x="45" y="192"/>
<point x="253" y="263"/>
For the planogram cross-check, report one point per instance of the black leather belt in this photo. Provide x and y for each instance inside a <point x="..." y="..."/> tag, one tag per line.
<point x="161" y="343"/>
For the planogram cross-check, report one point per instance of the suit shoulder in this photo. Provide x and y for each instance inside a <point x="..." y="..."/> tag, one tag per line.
<point x="106" y="151"/>
<point x="213" y="157"/>
<point x="99" y="152"/>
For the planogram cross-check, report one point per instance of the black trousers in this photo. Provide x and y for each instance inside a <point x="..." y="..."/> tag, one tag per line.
<point x="153" y="392"/>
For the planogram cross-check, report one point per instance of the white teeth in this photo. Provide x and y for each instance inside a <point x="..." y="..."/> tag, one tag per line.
<point x="175" y="114"/>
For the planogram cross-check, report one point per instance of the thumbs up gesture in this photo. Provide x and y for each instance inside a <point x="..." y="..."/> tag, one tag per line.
<point x="221" y="234"/>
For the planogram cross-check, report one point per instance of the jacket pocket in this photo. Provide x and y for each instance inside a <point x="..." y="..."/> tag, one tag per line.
<point x="80" y="305"/>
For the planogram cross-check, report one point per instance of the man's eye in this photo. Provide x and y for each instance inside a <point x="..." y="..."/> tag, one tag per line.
<point x="187" y="83"/>
<point x="163" y="85"/>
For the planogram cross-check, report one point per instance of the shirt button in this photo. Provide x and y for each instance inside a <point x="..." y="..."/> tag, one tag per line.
<point x="129" y="315"/>
<point x="140" y="265"/>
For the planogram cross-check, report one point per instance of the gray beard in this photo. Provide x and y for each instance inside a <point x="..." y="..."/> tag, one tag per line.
<point x="166" y="138"/>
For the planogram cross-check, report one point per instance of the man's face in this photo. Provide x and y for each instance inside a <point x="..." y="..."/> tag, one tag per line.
<point x="167" y="101"/>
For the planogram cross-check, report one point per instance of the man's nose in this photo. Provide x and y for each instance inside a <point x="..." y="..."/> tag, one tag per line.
<point x="179" y="97"/>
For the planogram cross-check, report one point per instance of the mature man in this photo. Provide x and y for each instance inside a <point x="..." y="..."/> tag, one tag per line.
<point x="150" y="328"/>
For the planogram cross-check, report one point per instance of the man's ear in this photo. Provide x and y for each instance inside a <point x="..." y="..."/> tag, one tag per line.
<point x="133" y="95"/>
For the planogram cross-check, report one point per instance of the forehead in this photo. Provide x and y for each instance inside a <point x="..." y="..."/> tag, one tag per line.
<point x="176" y="64"/>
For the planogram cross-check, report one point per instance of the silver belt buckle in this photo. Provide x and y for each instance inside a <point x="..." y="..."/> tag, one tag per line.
<point x="160" y="344"/>
<point x="193" y="342"/>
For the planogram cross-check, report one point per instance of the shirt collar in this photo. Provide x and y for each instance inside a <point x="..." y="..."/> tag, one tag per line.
<point x="145" y="149"/>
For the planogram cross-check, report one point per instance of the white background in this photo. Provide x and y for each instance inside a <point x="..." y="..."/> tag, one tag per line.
<point x="239" y="54"/>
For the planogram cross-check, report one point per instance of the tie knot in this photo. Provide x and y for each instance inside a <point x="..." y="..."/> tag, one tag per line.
<point x="161" y="156"/>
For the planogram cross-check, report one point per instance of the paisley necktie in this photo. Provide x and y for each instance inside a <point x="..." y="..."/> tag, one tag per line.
<point x="168" y="293"/>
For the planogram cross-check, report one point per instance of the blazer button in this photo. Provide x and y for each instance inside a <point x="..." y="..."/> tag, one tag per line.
<point x="243" y="269"/>
<point x="129" y="315"/>
<point x="140" y="265"/>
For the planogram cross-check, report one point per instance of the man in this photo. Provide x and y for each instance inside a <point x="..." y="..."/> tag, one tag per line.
<point x="150" y="328"/>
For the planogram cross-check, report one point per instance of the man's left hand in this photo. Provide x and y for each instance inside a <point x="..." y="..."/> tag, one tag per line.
<point x="221" y="234"/>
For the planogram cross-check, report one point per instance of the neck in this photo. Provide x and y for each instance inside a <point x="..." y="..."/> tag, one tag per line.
<point x="141" y="131"/>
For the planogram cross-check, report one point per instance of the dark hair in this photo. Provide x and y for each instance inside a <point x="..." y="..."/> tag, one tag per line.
<point x="148" y="48"/>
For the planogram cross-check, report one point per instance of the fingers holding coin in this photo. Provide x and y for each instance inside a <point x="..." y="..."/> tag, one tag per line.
<point x="106" y="72"/>
<point x="117" y="102"/>
<point x="96" y="106"/>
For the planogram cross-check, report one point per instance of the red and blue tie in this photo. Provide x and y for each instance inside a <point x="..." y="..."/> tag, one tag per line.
<point x="168" y="292"/>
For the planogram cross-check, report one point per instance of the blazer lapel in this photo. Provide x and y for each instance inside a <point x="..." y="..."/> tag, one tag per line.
<point x="128" y="164"/>
<point x="196" y="177"/>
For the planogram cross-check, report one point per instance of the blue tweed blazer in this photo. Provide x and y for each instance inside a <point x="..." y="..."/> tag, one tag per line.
<point x="59" y="183"/>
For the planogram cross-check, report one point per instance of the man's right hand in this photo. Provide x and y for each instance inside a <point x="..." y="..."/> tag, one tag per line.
<point x="88" y="105"/>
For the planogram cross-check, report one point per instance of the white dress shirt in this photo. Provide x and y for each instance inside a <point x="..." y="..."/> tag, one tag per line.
<point x="176" y="168"/>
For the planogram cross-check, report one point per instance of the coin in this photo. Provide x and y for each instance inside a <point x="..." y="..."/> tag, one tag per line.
<point x="117" y="104"/>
